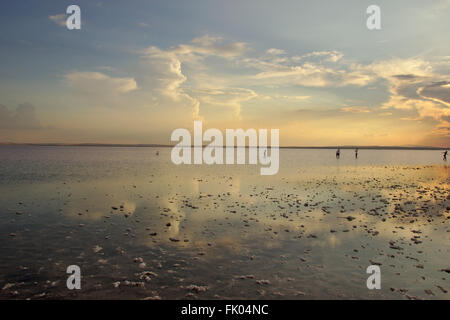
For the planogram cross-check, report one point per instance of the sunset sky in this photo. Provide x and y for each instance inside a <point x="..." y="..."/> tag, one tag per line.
<point x="137" y="70"/>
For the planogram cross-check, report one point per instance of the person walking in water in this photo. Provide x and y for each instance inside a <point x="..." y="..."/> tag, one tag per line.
<point x="445" y="155"/>
<point x="338" y="153"/>
<point x="356" y="153"/>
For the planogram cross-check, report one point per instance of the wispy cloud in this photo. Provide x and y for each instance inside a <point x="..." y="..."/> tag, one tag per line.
<point x="356" y="109"/>
<point x="143" y="25"/>
<point x="59" y="19"/>
<point x="97" y="82"/>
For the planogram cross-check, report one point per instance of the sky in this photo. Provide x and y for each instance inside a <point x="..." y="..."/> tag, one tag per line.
<point x="137" y="70"/>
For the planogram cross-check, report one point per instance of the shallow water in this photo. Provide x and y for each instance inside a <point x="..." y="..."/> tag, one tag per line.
<point x="222" y="231"/>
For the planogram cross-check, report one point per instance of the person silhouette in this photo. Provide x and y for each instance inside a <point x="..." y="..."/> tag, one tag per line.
<point x="445" y="155"/>
<point x="338" y="153"/>
<point x="356" y="153"/>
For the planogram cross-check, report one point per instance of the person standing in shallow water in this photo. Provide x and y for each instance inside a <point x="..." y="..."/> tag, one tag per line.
<point x="338" y="153"/>
<point x="445" y="155"/>
<point x="356" y="153"/>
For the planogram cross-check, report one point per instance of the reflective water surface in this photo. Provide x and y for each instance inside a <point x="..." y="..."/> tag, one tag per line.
<point x="141" y="227"/>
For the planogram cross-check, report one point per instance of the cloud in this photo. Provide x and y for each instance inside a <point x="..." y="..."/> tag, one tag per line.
<point x="223" y="82"/>
<point x="275" y="52"/>
<point x="401" y="69"/>
<point x="315" y="69"/>
<point x="314" y="75"/>
<point x="331" y="56"/>
<point x="185" y="73"/>
<point x="295" y="97"/>
<point x="412" y="86"/>
<point x="306" y="74"/>
<point x="208" y="45"/>
<point x="94" y="83"/>
<point x="416" y="88"/>
<point x="405" y="76"/>
<point x="23" y="117"/>
<point x="327" y="69"/>
<point x="436" y="91"/>
<point x="164" y="73"/>
<point x="204" y="46"/>
<point x="440" y="135"/>
<point x="59" y="19"/>
<point x="226" y="98"/>
<point x="356" y="109"/>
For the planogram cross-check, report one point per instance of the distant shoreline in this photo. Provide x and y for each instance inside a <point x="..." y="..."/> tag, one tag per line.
<point x="171" y="146"/>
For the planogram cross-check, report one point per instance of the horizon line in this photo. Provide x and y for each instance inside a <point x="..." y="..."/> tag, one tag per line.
<point x="154" y="145"/>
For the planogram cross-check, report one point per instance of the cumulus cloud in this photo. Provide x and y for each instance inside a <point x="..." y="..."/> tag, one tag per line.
<point x="164" y="71"/>
<point x="165" y="75"/>
<point x="226" y="98"/>
<point x="23" y="117"/>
